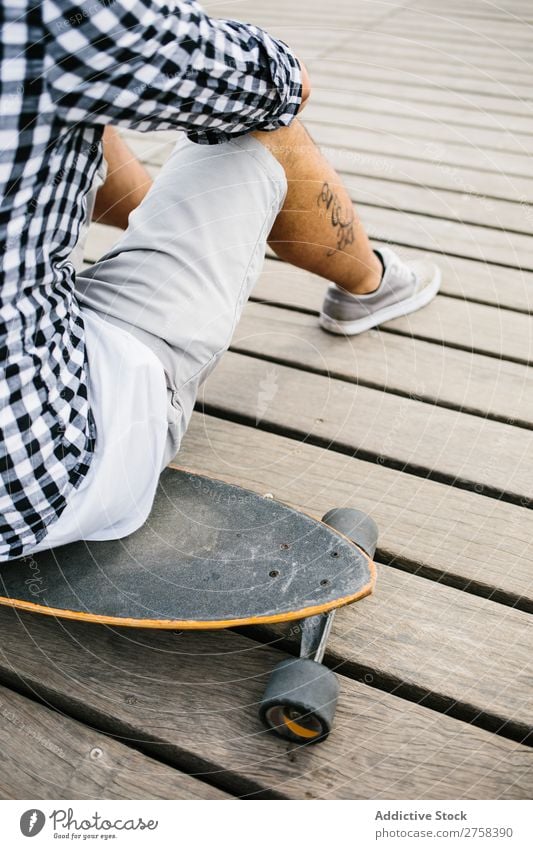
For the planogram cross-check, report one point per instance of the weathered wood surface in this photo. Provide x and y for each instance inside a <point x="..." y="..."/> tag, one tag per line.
<point x="400" y="98"/>
<point x="423" y="424"/>
<point x="191" y="698"/>
<point x="445" y="236"/>
<point x="405" y="125"/>
<point x="404" y="433"/>
<point x="413" y="635"/>
<point x="437" y="374"/>
<point x="486" y="35"/>
<point x="469" y="183"/>
<point x="47" y="755"/>
<point x="477" y="543"/>
<point x="464" y="208"/>
<point x="420" y="67"/>
<point x="441" y="155"/>
<point x="462" y="279"/>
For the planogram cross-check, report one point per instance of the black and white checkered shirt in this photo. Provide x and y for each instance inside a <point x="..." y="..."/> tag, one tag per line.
<point x="66" y="70"/>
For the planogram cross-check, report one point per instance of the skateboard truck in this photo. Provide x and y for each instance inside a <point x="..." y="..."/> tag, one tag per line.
<point x="301" y="696"/>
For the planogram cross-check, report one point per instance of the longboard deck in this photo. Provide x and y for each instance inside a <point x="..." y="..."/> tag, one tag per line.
<point x="211" y="555"/>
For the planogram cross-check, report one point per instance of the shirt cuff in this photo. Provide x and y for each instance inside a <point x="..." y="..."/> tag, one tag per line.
<point x="287" y="77"/>
<point x="278" y="89"/>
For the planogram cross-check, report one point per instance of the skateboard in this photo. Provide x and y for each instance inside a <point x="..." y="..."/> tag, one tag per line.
<point x="214" y="555"/>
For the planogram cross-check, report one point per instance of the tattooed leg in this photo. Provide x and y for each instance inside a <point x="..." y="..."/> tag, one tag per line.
<point x="318" y="228"/>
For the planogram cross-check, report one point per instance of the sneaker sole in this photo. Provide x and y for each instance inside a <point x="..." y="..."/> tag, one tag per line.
<point x="359" y="325"/>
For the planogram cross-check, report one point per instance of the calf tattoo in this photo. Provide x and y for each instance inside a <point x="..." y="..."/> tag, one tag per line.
<point x="342" y="221"/>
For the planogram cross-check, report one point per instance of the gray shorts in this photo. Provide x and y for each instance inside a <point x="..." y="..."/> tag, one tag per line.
<point x="180" y="275"/>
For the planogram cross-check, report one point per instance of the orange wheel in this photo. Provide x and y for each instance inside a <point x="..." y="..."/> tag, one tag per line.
<point x="300" y="700"/>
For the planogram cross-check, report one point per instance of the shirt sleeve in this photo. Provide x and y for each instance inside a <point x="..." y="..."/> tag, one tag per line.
<point x="149" y="64"/>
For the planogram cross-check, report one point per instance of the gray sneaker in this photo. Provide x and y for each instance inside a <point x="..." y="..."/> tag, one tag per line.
<point x="404" y="288"/>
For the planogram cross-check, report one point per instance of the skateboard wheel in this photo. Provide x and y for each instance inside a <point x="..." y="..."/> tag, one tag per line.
<point x="300" y="700"/>
<point x="356" y="525"/>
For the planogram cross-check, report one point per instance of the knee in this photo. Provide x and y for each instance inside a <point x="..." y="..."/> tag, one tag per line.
<point x="306" y="86"/>
<point x="289" y="145"/>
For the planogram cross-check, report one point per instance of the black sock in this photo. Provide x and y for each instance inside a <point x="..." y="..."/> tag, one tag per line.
<point x="382" y="263"/>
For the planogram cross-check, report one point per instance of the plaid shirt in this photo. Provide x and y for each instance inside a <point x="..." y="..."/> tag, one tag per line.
<point x="67" y="68"/>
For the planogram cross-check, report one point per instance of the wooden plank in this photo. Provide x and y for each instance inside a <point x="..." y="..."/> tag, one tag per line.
<point x="413" y="635"/>
<point x="346" y="15"/>
<point x="446" y="445"/>
<point x="47" y="755"/>
<point x="442" y="236"/>
<point x="427" y="68"/>
<point x="476" y="107"/>
<point x="461" y="278"/>
<point x="404" y="123"/>
<point x="489" y="21"/>
<point x="430" y="68"/>
<point x="478" y="8"/>
<point x="478" y="40"/>
<point x="458" y="161"/>
<point x="446" y="191"/>
<point x="437" y="645"/>
<point x="446" y="533"/>
<point x="450" y="50"/>
<point x="495" y="129"/>
<point x="450" y="321"/>
<point x="436" y="373"/>
<point x="436" y="28"/>
<point x="474" y="46"/>
<point x="463" y="208"/>
<point x="369" y="136"/>
<point x="455" y="47"/>
<point x="194" y="702"/>
<point x="433" y="64"/>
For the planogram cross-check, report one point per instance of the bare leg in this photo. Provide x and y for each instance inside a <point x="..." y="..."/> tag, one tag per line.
<point x="318" y="228"/>
<point x="126" y="184"/>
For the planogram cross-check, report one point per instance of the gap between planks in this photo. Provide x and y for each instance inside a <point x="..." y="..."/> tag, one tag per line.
<point x="48" y="755"/>
<point x="400" y="365"/>
<point x="430" y="442"/>
<point x="441" y="100"/>
<point x="457" y="322"/>
<point x="448" y="535"/>
<point x="195" y="699"/>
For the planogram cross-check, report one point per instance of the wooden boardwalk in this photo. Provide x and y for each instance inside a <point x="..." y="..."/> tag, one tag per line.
<point x="426" y="108"/>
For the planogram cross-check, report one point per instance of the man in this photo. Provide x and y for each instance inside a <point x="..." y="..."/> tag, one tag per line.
<point x="100" y="371"/>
